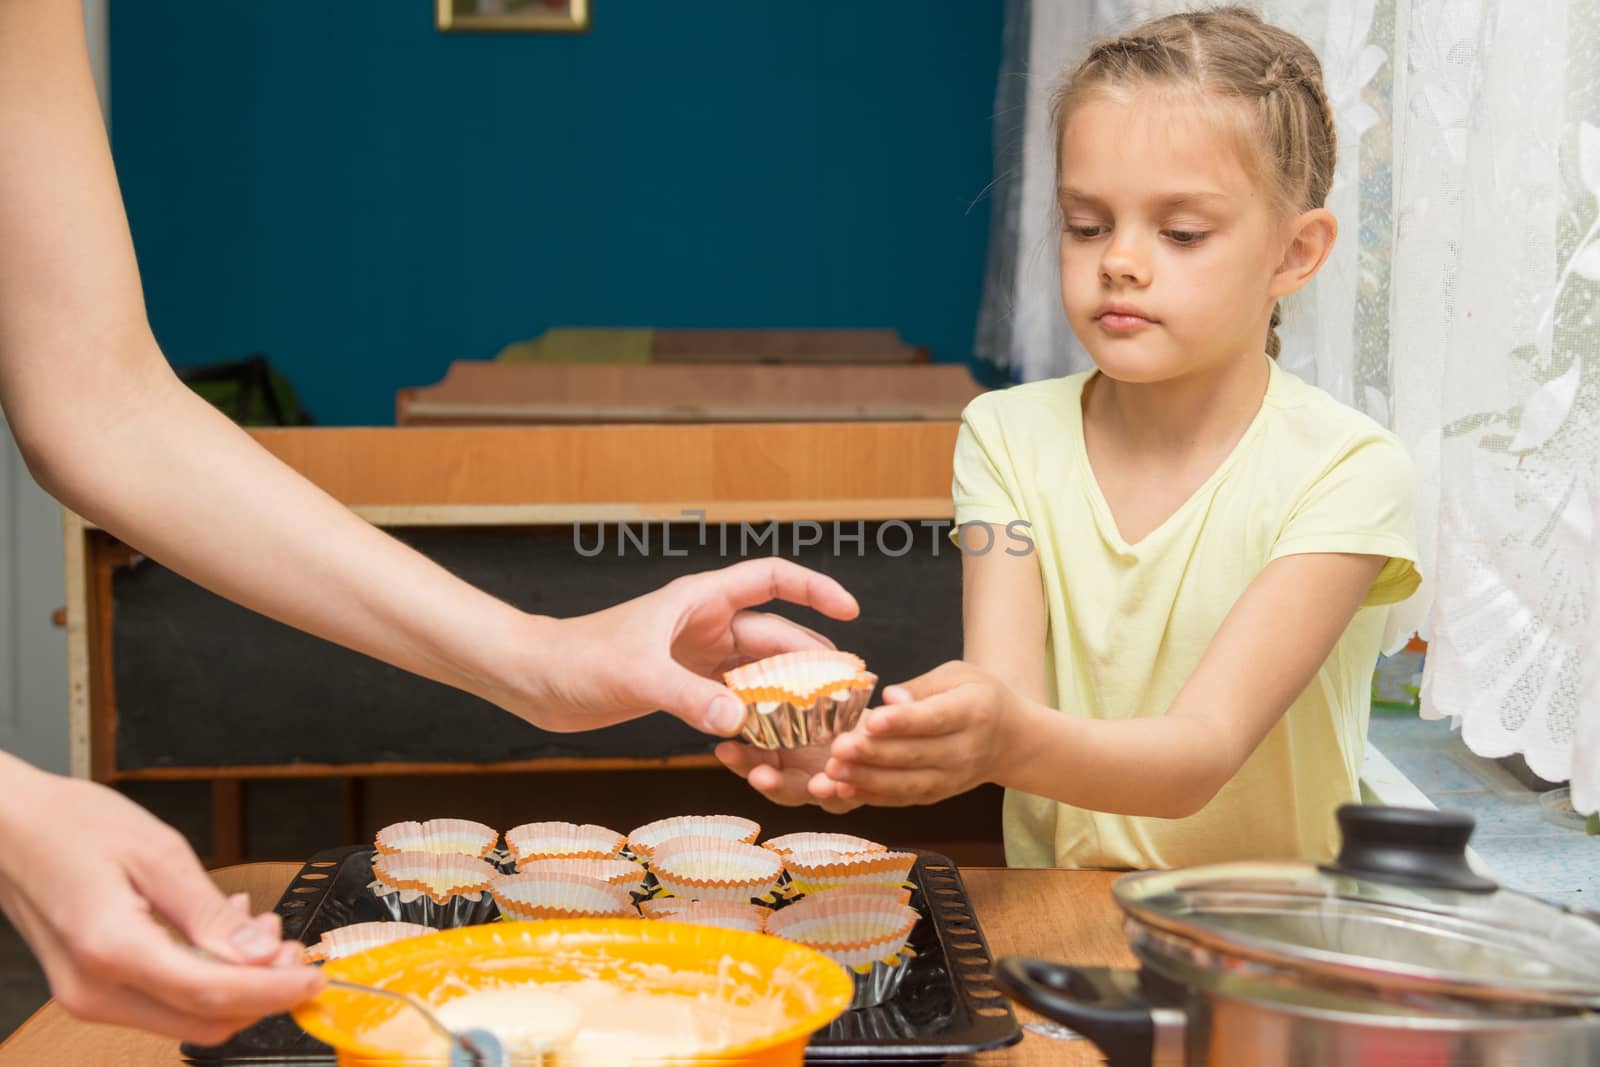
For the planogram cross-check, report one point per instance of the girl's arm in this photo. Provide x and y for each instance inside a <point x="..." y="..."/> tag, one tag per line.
<point x="960" y="725"/>
<point x="1003" y="616"/>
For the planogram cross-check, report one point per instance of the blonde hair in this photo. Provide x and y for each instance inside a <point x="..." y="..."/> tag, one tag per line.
<point x="1229" y="54"/>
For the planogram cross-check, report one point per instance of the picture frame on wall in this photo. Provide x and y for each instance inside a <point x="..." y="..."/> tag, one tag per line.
<point x="512" y="16"/>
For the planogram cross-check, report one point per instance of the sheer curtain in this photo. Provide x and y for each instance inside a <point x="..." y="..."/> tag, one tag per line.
<point x="1461" y="309"/>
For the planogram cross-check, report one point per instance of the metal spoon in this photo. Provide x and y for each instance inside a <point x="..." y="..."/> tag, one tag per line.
<point x="470" y="1048"/>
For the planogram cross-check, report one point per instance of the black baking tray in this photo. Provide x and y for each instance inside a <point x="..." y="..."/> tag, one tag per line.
<point x="947" y="1005"/>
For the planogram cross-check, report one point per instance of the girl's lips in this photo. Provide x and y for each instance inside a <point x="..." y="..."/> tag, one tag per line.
<point x="1119" y="322"/>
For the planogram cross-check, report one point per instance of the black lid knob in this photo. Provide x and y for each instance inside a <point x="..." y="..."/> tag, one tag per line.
<point x="1419" y="847"/>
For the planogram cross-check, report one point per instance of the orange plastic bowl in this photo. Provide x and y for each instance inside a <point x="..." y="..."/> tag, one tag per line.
<point x="803" y="989"/>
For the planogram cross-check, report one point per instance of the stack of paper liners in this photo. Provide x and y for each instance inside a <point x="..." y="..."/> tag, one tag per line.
<point x="565" y="840"/>
<point x="445" y="836"/>
<point x="559" y="896"/>
<point x="624" y="874"/>
<point x="801" y="698"/>
<point x="810" y="872"/>
<point x="644" y="841"/>
<point x="727" y="914"/>
<point x="435" y="889"/>
<point x="713" y="868"/>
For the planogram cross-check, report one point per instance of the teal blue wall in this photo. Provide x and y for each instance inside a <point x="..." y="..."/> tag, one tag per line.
<point x="335" y="183"/>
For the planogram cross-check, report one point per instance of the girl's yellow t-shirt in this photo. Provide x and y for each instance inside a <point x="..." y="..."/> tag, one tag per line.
<point x="1128" y="623"/>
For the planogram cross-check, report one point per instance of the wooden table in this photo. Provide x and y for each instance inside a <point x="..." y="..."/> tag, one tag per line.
<point x="1063" y="915"/>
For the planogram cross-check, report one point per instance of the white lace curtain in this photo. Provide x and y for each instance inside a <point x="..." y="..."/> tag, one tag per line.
<point x="1461" y="308"/>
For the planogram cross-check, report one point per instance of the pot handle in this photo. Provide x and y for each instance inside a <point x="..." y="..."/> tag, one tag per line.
<point x="1105" y="1005"/>
<point x="1407" y="846"/>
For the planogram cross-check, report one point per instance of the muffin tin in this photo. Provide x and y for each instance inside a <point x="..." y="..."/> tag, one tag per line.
<point x="946" y="1005"/>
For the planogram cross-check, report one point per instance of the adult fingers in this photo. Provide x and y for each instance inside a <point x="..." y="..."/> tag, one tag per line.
<point x="741" y="759"/>
<point x="119" y="1006"/>
<point x="210" y="989"/>
<point x="165" y="871"/>
<point x="700" y="702"/>
<point x="757" y="581"/>
<point x="758" y="634"/>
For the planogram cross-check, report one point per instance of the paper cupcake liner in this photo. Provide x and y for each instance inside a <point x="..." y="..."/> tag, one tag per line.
<point x="855" y="932"/>
<point x="900" y="894"/>
<point x="727" y="914"/>
<point x="811" y="871"/>
<point x="773" y="724"/>
<point x="801" y="698"/>
<point x="843" y="844"/>
<point x="797" y="676"/>
<point x="646" y="839"/>
<point x="710" y="868"/>
<point x="445" y="836"/>
<point x="358" y="937"/>
<point x="559" y="896"/>
<point x="624" y="874"/>
<point x="440" y="890"/>
<point x="565" y="840"/>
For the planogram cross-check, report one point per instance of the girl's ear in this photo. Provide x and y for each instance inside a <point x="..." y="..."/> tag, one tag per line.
<point x="1311" y="237"/>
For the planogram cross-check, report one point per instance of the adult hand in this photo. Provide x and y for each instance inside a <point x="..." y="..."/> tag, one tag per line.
<point x="84" y="876"/>
<point x="663" y="650"/>
<point x="783" y="776"/>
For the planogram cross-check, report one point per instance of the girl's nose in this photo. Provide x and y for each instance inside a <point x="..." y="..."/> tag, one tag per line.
<point x="1124" y="264"/>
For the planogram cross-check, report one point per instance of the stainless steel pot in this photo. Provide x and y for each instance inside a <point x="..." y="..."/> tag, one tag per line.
<point x="1396" y="955"/>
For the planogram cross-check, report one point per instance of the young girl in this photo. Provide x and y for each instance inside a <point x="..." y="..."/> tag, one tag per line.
<point x="1180" y="671"/>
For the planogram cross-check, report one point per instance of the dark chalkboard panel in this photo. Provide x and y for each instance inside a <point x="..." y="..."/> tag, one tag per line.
<point x="201" y="682"/>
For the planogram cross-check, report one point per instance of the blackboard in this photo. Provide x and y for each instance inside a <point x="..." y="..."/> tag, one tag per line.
<point x="201" y="682"/>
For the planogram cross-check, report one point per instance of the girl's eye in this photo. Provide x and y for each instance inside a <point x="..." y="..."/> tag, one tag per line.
<point x="1085" y="233"/>
<point x="1185" y="237"/>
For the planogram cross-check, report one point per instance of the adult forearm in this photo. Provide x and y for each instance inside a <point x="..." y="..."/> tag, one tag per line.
<point x="175" y="479"/>
<point x="1165" y="766"/>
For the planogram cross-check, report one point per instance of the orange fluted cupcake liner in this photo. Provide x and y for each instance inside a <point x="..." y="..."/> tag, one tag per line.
<point x="811" y="871"/>
<point x="646" y="839"/>
<point x="724" y="913"/>
<point x="358" y="937"/>
<point x="440" y="890"/>
<point x="624" y="874"/>
<point x="844" y="844"/>
<point x="866" y="934"/>
<point x="446" y="836"/>
<point x="801" y="698"/>
<point x="711" y="868"/>
<point x="899" y="893"/>
<point x="566" y="840"/>
<point x="559" y="896"/>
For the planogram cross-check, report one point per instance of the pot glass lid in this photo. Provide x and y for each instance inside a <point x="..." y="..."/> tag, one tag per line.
<point x="1386" y="916"/>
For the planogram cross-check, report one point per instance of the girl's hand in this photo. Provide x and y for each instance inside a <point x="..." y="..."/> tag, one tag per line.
<point x="86" y="875"/>
<point x="937" y="735"/>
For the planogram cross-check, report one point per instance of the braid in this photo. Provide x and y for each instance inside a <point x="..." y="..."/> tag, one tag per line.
<point x="1285" y="76"/>
<point x="1274" y="344"/>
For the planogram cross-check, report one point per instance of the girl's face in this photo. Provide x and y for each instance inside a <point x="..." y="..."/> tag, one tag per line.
<point x="1169" y="248"/>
